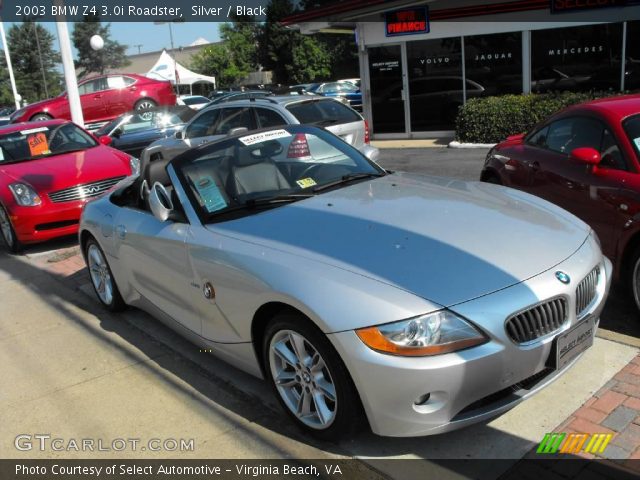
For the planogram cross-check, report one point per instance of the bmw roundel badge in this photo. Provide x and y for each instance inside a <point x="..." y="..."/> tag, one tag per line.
<point x="563" y="277"/>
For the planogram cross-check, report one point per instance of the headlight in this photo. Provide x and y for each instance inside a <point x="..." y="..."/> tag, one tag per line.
<point x="432" y="334"/>
<point x="25" y="195"/>
<point x="596" y="238"/>
<point x="134" y="163"/>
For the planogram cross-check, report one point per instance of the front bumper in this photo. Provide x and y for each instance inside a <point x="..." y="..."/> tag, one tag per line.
<point x="479" y="383"/>
<point x="46" y="221"/>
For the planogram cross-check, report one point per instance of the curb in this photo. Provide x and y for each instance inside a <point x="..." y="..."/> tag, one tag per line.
<point x="456" y="144"/>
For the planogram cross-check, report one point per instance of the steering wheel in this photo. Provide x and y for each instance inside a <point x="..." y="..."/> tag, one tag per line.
<point x="310" y="168"/>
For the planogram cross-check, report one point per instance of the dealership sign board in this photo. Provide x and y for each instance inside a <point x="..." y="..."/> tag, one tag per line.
<point x="410" y="21"/>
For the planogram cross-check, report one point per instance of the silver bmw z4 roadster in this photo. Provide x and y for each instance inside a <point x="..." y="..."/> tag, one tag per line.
<point x="417" y="304"/>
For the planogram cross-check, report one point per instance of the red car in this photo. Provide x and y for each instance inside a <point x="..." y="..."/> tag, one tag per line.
<point x="103" y="99"/>
<point x="585" y="159"/>
<point x="48" y="171"/>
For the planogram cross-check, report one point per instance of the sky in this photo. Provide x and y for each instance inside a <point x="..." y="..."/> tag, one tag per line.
<point x="149" y="36"/>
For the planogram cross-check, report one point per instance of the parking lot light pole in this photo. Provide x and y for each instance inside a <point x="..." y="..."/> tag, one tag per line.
<point x="73" y="96"/>
<point x="16" y="97"/>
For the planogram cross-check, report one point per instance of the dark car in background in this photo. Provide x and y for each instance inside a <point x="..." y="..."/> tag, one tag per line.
<point x="134" y="131"/>
<point x="339" y="90"/>
<point x="103" y="98"/>
<point x="585" y="159"/>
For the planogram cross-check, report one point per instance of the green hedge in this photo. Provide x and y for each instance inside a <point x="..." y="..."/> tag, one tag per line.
<point x="492" y="119"/>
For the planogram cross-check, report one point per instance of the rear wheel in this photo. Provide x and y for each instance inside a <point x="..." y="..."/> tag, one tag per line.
<point x="8" y="233"/>
<point x="309" y="378"/>
<point x="145" y="104"/>
<point x="102" y="278"/>
<point x="40" y="117"/>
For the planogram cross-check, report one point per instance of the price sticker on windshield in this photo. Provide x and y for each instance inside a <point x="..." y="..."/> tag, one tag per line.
<point x="38" y="144"/>
<point x="306" y="182"/>
<point x="264" y="136"/>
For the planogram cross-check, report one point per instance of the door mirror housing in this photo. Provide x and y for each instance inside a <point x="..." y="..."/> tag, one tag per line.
<point x="587" y="155"/>
<point x="105" y="140"/>
<point x="179" y="134"/>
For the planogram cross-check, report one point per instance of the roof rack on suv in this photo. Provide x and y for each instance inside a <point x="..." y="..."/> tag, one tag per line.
<point x="271" y="100"/>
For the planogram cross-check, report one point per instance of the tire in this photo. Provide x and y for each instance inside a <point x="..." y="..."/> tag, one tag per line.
<point x="332" y="404"/>
<point x="634" y="277"/>
<point x="145" y="104"/>
<point x="101" y="277"/>
<point x="492" y="178"/>
<point x="7" y="232"/>
<point x="40" y="117"/>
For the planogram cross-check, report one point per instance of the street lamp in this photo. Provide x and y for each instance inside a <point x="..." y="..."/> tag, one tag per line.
<point x="16" y="97"/>
<point x="173" y="54"/>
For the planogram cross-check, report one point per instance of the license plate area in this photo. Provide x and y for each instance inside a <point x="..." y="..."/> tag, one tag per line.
<point x="568" y="345"/>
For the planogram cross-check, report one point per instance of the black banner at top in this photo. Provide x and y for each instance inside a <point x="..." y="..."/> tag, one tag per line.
<point x="566" y="6"/>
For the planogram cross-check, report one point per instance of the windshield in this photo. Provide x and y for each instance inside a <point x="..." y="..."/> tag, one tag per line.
<point x="632" y="129"/>
<point x="269" y="168"/>
<point x="38" y="142"/>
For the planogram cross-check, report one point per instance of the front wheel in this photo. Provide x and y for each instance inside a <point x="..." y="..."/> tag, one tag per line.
<point x="309" y="378"/>
<point x="8" y="233"/>
<point x="102" y="279"/>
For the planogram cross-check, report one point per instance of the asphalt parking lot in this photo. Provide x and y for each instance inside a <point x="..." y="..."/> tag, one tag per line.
<point x="74" y="370"/>
<point x="619" y="316"/>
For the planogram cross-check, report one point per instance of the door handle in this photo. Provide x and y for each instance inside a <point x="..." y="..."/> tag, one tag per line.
<point x="121" y="232"/>
<point x="97" y="96"/>
<point x="133" y="89"/>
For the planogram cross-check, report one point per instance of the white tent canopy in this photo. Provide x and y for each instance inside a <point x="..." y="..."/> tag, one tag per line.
<point x="167" y="69"/>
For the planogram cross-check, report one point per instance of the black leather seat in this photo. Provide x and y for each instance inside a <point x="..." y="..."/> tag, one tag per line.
<point x="253" y="173"/>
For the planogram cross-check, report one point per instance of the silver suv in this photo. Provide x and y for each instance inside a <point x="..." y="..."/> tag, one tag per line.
<point x="216" y="121"/>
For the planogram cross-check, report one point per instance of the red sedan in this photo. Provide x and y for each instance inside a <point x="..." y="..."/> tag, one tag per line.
<point x="585" y="159"/>
<point x="103" y="98"/>
<point x="48" y="171"/>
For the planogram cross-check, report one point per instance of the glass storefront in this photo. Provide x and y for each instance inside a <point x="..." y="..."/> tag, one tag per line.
<point x="576" y="58"/>
<point x="437" y="81"/>
<point x="494" y="62"/>
<point x="385" y="77"/>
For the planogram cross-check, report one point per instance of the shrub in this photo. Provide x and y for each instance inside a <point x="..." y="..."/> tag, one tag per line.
<point x="492" y="119"/>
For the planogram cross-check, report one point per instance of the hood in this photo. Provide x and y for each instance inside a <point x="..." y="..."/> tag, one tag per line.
<point x="445" y="240"/>
<point x="63" y="171"/>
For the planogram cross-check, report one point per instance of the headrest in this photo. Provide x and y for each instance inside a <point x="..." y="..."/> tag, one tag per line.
<point x="258" y="153"/>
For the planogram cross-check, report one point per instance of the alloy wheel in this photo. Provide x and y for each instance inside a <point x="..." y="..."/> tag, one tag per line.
<point x="100" y="274"/>
<point x="302" y="379"/>
<point x="145" y="105"/>
<point x="635" y="282"/>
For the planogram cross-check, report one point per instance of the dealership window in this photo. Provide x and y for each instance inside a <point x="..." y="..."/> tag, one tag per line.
<point x="632" y="64"/>
<point x="577" y="58"/>
<point x="494" y="62"/>
<point x="435" y="83"/>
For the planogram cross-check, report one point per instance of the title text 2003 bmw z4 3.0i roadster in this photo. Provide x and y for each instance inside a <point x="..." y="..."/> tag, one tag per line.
<point x="426" y="303"/>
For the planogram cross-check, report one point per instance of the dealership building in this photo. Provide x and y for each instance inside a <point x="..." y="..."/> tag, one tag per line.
<point x="419" y="61"/>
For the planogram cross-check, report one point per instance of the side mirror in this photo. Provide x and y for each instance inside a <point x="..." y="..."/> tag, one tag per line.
<point x="160" y="202"/>
<point x="179" y="134"/>
<point x="586" y="155"/>
<point x="105" y="140"/>
<point x="237" y="131"/>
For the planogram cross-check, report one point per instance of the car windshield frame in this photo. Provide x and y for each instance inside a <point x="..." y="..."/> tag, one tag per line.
<point x="625" y="128"/>
<point x="236" y="209"/>
<point x="53" y="130"/>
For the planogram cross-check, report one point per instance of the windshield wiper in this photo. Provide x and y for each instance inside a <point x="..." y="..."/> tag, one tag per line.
<point x="263" y="201"/>
<point x="346" y="179"/>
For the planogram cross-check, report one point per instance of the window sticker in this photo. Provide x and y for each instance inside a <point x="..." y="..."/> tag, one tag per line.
<point x="637" y="142"/>
<point x="38" y="144"/>
<point x="34" y="130"/>
<point x="264" y="136"/>
<point x="210" y="194"/>
<point x="306" y="182"/>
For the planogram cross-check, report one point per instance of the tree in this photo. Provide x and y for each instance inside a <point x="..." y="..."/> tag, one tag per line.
<point x="31" y="64"/>
<point x="235" y="57"/>
<point x="111" y="56"/>
<point x="293" y="57"/>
